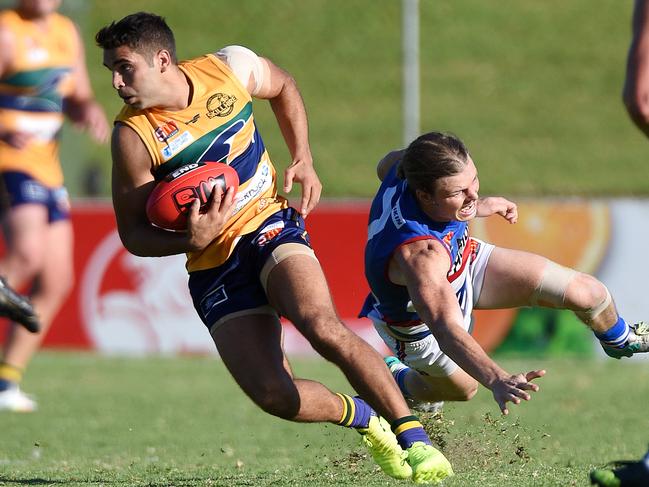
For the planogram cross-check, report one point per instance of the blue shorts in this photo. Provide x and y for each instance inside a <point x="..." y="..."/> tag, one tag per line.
<point x="236" y="286"/>
<point x="21" y="188"/>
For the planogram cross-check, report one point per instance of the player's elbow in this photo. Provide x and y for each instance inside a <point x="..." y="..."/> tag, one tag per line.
<point x="130" y="243"/>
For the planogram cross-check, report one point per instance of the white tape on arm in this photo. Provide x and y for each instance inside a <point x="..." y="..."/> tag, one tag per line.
<point x="244" y="63"/>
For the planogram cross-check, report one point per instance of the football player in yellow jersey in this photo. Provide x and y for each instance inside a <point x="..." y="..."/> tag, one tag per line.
<point x="43" y="78"/>
<point x="271" y="269"/>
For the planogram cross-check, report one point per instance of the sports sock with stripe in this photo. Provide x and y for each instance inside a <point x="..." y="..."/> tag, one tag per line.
<point x="617" y="335"/>
<point x="356" y="412"/>
<point x="409" y="430"/>
<point x="9" y="376"/>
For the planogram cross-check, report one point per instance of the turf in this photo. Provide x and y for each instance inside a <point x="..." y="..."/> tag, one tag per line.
<point x="183" y="422"/>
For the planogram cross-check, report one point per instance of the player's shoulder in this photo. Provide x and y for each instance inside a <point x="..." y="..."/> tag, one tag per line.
<point x="63" y="22"/>
<point x="234" y="50"/>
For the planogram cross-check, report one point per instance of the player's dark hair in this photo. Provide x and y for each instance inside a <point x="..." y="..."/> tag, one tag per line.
<point x="432" y="156"/>
<point x="143" y="32"/>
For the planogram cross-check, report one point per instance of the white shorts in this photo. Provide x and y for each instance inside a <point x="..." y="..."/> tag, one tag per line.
<point x="424" y="355"/>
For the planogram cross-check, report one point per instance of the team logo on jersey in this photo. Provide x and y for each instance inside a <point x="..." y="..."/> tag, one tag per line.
<point x="459" y="261"/>
<point x="220" y="105"/>
<point x="397" y="217"/>
<point x="165" y="131"/>
<point x="269" y="232"/>
<point x="176" y="145"/>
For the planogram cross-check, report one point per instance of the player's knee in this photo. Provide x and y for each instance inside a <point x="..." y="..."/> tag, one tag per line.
<point x="327" y="335"/>
<point x="27" y="262"/>
<point x="588" y="295"/>
<point x="464" y="392"/>
<point x="469" y="391"/>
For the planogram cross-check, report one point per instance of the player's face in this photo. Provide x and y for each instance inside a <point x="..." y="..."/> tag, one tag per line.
<point x="135" y="80"/>
<point x="456" y="196"/>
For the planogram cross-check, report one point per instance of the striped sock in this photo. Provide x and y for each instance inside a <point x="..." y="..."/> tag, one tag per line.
<point x="409" y="430"/>
<point x="617" y="335"/>
<point x="356" y="412"/>
<point x="399" y="373"/>
<point x="9" y="375"/>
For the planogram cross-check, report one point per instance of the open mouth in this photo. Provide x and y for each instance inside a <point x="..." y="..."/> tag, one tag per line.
<point x="468" y="210"/>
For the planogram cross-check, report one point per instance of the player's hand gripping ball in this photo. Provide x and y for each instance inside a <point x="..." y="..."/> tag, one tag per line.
<point x="169" y="202"/>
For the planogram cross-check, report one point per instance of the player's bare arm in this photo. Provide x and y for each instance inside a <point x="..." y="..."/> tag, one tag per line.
<point x="636" y="84"/>
<point x="132" y="182"/>
<point x="422" y="265"/>
<point x="389" y="160"/>
<point x="81" y="107"/>
<point x="280" y="89"/>
<point x="492" y="205"/>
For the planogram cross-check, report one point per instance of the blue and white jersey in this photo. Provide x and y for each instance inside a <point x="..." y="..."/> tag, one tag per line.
<point x="396" y="220"/>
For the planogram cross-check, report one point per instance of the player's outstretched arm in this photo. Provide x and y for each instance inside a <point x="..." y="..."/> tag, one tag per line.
<point x="422" y="267"/>
<point x="514" y="388"/>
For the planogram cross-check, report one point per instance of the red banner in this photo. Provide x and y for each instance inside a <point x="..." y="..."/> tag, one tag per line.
<point x="123" y="303"/>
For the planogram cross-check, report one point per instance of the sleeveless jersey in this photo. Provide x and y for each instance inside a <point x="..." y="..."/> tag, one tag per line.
<point x="32" y="91"/>
<point x="217" y="126"/>
<point x="395" y="220"/>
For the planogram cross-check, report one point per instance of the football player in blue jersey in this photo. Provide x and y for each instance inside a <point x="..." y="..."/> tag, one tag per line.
<point x="427" y="274"/>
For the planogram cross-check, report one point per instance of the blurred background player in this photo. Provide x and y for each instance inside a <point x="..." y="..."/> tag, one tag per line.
<point x="427" y="274"/>
<point x="43" y="78"/>
<point x="636" y="100"/>
<point x="249" y="257"/>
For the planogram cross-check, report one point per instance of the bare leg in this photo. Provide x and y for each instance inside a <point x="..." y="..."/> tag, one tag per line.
<point x="251" y="349"/>
<point x="459" y="386"/>
<point x="44" y="251"/>
<point x="298" y="289"/>
<point x="512" y="276"/>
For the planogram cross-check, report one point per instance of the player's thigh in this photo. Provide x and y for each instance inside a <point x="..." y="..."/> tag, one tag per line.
<point x="297" y="288"/>
<point x="251" y="349"/>
<point x="510" y="278"/>
<point x="58" y="266"/>
<point x="25" y="227"/>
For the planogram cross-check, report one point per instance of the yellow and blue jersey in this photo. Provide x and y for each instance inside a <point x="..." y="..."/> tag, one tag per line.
<point x="218" y="126"/>
<point x="32" y="90"/>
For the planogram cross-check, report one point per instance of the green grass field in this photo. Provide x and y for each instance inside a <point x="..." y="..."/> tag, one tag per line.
<point x="532" y="87"/>
<point x="183" y="422"/>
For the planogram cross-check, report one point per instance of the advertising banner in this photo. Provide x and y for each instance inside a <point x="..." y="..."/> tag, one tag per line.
<point x="133" y="305"/>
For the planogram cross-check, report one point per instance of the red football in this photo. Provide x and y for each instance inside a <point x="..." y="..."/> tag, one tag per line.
<point x="171" y="198"/>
